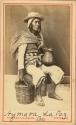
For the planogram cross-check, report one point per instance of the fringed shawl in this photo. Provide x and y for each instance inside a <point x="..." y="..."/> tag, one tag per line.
<point x="24" y="37"/>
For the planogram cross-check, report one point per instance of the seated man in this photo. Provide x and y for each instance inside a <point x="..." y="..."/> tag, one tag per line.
<point x="26" y="48"/>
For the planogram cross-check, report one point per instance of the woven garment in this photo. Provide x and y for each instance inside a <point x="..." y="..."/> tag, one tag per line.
<point x="24" y="37"/>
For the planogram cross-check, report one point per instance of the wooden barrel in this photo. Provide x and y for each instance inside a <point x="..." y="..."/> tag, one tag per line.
<point x="24" y="93"/>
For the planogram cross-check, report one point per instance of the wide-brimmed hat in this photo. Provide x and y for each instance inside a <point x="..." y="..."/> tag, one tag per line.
<point x="33" y="15"/>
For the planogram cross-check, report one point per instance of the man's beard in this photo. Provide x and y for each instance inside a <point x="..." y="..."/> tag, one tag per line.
<point x="34" y="31"/>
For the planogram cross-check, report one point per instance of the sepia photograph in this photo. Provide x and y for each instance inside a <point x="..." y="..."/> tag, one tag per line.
<point x="38" y="62"/>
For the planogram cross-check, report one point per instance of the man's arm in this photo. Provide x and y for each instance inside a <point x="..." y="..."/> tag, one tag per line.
<point x="21" y="52"/>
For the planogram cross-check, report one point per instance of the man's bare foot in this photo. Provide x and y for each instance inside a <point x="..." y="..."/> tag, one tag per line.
<point x="39" y="101"/>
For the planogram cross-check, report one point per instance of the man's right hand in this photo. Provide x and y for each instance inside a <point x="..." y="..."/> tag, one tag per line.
<point x="21" y="74"/>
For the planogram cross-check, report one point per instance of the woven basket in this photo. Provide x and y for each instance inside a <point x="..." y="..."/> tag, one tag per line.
<point x="24" y="93"/>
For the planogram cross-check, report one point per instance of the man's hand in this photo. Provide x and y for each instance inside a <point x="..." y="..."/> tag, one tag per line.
<point x="21" y="74"/>
<point x="41" y="50"/>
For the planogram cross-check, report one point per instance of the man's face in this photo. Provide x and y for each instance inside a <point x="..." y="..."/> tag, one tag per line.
<point x="36" y="24"/>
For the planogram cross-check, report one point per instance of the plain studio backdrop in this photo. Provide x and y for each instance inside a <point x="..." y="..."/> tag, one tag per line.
<point x="55" y="29"/>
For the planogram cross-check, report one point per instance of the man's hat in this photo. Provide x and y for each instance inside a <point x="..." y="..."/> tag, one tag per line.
<point x="32" y="15"/>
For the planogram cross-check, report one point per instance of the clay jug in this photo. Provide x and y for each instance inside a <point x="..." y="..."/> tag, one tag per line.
<point x="47" y="58"/>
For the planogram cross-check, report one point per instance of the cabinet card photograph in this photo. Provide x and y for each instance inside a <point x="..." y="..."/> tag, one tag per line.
<point x="37" y="62"/>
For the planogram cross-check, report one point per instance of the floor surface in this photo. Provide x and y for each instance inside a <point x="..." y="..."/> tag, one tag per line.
<point x="51" y="105"/>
